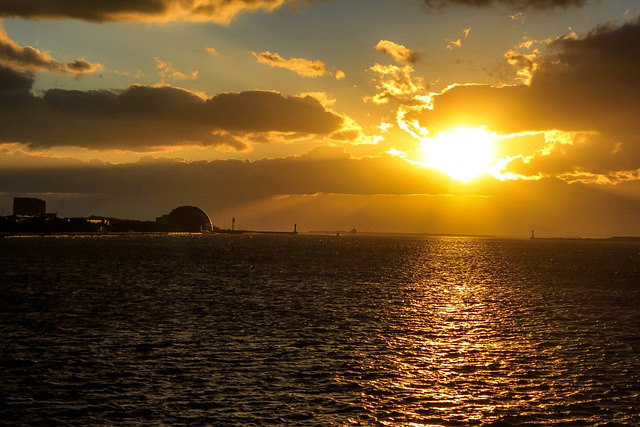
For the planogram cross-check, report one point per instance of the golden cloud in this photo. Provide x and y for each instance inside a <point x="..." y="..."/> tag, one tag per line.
<point x="28" y="58"/>
<point x="166" y="70"/>
<point x="300" y="66"/>
<point x="218" y="11"/>
<point x="399" y="52"/>
<point x="212" y="51"/>
<point x="399" y="85"/>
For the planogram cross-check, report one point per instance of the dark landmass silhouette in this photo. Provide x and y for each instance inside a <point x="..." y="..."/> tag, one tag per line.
<point x="183" y="219"/>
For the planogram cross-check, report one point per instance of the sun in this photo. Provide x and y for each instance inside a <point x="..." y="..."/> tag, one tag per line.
<point x="462" y="153"/>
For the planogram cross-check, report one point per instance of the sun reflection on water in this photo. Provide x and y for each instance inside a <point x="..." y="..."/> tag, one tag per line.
<point x="477" y="336"/>
<point x="449" y="357"/>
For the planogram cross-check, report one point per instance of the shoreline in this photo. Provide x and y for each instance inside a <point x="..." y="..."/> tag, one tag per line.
<point x="339" y="234"/>
<point x="611" y="239"/>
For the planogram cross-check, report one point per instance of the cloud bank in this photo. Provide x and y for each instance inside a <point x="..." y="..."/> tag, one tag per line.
<point x="218" y="11"/>
<point x="326" y="189"/>
<point x="143" y="117"/>
<point x="587" y="83"/>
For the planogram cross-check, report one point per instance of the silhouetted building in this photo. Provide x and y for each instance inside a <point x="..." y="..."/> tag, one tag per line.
<point x="29" y="206"/>
<point x="187" y="219"/>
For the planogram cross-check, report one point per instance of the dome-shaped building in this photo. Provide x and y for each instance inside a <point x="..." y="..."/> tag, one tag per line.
<point x="187" y="219"/>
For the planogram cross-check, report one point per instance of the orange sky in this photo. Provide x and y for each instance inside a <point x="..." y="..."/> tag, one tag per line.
<point x="482" y="117"/>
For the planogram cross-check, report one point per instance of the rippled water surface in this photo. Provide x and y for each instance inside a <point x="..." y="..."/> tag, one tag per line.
<point x="310" y="330"/>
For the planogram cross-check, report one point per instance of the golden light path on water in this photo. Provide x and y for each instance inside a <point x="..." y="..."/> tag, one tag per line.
<point x="447" y="330"/>
<point x="459" y="350"/>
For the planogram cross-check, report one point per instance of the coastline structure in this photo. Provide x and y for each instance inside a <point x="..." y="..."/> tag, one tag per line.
<point x="30" y="217"/>
<point x="186" y="219"/>
<point x="29" y="206"/>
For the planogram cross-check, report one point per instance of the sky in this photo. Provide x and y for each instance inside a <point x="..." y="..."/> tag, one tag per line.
<point x="429" y="116"/>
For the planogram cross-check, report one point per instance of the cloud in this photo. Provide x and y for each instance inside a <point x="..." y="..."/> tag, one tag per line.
<point x="300" y="66"/>
<point x="218" y="11"/>
<point x="398" y="51"/>
<point x="378" y="193"/>
<point x="455" y="43"/>
<point x="581" y="83"/>
<point x="583" y="156"/>
<point x="212" y="51"/>
<point x="598" y="72"/>
<point x="28" y="58"/>
<point x="524" y="59"/>
<point x="512" y="4"/>
<point x="166" y="70"/>
<point x="578" y="84"/>
<point x="324" y="169"/>
<point x="151" y="187"/>
<point x="458" y="42"/>
<point x="143" y="117"/>
<point x="14" y="156"/>
<point x="399" y="85"/>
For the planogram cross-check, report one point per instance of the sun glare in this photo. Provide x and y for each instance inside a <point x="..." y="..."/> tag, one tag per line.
<point x="462" y="153"/>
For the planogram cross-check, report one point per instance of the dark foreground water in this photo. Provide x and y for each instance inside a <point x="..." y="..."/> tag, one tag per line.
<point x="308" y="330"/>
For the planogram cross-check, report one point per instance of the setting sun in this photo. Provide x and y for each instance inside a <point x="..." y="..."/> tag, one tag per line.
<point x="462" y="153"/>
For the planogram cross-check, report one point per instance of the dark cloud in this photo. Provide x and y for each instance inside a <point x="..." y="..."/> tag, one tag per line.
<point x="597" y="75"/>
<point x="512" y="4"/>
<point x="586" y="157"/>
<point x="504" y="109"/>
<point x="588" y="83"/>
<point x="221" y="11"/>
<point x="14" y="82"/>
<point x="581" y="84"/>
<point x="228" y="182"/>
<point x="148" y="116"/>
<point x="326" y="189"/>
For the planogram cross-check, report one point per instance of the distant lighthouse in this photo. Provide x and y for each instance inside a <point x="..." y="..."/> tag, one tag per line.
<point x="532" y="235"/>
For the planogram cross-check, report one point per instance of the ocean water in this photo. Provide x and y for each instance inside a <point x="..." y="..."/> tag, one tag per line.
<point x="230" y="330"/>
